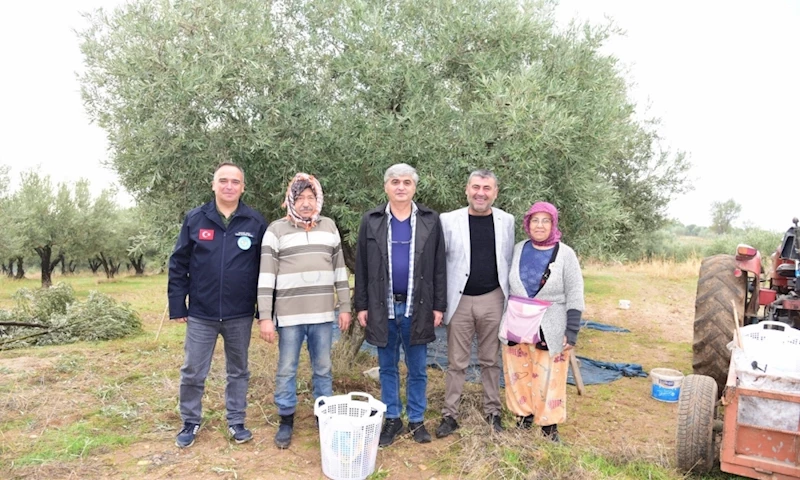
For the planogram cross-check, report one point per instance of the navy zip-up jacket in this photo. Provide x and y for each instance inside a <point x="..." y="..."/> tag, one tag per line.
<point x="217" y="267"/>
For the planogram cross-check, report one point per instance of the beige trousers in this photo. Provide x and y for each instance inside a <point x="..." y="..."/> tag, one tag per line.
<point x="479" y="314"/>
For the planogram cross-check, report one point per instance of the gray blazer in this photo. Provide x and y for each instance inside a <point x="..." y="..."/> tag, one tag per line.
<point x="455" y="226"/>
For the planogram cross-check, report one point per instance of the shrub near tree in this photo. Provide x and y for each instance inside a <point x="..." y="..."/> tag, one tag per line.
<point x="343" y="89"/>
<point x="52" y="316"/>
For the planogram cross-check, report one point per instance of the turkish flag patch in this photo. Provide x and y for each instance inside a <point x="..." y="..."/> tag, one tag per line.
<point x="206" y="234"/>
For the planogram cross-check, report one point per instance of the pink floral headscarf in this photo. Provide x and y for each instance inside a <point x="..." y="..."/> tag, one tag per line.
<point x="555" y="233"/>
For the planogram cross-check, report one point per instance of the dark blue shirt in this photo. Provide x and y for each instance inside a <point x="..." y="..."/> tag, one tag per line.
<point x="401" y="249"/>
<point x="532" y="265"/>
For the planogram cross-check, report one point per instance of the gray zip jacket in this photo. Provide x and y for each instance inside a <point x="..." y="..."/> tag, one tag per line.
<point x="564" y="289"/>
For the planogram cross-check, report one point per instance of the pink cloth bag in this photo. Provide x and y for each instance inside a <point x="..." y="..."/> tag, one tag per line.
<point x="522" y="319"/>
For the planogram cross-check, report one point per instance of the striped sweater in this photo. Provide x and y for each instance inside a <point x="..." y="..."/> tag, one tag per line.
<point x="302" y="270"/>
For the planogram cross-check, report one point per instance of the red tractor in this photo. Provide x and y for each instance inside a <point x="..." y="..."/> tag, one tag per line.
<point x="730" y="288"/>
<point x="726" y="280"/>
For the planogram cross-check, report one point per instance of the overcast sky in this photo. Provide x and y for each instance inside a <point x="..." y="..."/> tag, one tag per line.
<point x="723" y="76"/>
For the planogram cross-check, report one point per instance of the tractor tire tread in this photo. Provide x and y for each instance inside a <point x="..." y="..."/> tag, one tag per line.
<point x="714" y="316"/>
<point x="695" y="434"/>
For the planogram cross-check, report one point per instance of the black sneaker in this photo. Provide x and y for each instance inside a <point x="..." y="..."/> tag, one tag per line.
<point x="391" y="428"/>
<point x="419" y="432"/>
<point x="239" y="433"/>
<point x="448" y="426"/>
<point x="186" y="436"/>
<point x="284" y="436"/>
<point x="494" y="421"/>
<point x="525" y="422"/>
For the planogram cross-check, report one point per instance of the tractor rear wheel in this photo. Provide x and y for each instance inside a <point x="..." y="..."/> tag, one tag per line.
<point x="696" y="413"/>
<point x="714" y="316"/>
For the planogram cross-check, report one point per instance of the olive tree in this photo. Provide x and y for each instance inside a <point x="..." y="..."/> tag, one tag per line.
<point x="44" y="218"/>
<point x="12" y="248"/>
<point x="342" y="89"/>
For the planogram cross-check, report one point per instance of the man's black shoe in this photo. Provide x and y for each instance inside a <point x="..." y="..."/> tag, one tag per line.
<point x="284" y="436"/>
<point x="494" y="421"/>
<point x="419" y="432"/>
<point x="391" y="428"/>
<point x="448" y="426"/>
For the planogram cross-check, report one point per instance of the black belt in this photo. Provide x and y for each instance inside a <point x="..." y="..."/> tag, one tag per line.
<point x="399" y="297"/>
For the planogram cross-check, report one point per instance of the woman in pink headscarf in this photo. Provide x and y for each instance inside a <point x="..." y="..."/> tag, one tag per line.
<point x="546" y="270"/>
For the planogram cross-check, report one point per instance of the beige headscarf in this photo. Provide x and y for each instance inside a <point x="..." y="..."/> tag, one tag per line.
<point x="300" y="182"/>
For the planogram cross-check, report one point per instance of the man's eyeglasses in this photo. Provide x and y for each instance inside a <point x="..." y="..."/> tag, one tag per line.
<point x="541" y="221"/>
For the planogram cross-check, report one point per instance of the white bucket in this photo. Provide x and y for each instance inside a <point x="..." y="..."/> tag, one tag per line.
<point x="349" y="432"/>
<point x="666" y="384"/>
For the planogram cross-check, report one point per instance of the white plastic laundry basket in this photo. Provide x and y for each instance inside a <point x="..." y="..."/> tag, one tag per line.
<point x="774" y="346"/>
<point x="349" y="431"/>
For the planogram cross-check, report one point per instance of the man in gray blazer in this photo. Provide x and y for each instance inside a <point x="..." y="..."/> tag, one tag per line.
<point x="479" y="242"/>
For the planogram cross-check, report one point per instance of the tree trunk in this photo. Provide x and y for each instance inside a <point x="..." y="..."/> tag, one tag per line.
<point x="94" y="264"/>
<point x="352" y="339"/>
<point x="109" y="266"/>
<point x="73" y="265"/>
<point x="20" y="269"/>
<point x="10" y="269"/>
<point x="349" y="252"/>
<point x="115" y="268"/>
<point x="138" y="264"/>
<point x="63" y="264"/>
<point x="104" y="262"/>
<point x="45" y="253"/>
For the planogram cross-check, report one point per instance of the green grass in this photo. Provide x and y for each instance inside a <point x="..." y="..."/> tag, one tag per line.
<point x="604" y="467"/>
<point x="600" y="285"/>
<point x="146" y="293"/>
<point x="74" y="442"/>
<point x="125" y="391"/>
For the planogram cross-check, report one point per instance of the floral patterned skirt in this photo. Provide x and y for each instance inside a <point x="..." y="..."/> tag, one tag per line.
<point x="536" y="384"/>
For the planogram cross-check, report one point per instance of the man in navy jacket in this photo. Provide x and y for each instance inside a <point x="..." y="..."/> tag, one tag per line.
<point x="215" y="263"/>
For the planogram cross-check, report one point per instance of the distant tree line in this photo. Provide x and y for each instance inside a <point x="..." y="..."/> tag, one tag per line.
<point x="62" y="226"/>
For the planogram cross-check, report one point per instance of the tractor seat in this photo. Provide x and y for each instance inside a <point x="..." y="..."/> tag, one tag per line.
<point x="785" y="270"/>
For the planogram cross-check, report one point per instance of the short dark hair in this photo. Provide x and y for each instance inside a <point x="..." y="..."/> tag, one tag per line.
<point x="229" y="164"/>
<point x="483" y="173"/>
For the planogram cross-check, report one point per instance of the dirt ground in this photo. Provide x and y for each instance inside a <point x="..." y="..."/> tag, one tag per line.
<point x="49" y="390"/>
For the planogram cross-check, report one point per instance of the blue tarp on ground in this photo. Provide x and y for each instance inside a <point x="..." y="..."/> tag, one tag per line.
<point x="603" y="327"/>
<point x="592" y="371"/>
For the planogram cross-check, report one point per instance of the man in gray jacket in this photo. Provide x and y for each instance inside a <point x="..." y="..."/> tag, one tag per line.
<point x="479" y="242"/>
<point x="400" y="295"/>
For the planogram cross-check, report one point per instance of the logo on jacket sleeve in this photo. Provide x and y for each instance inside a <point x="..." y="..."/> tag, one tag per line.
<point x="206" y="234"/>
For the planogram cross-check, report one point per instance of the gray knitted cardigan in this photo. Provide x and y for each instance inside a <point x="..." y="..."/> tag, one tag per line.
<point x="564" y="289"/>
